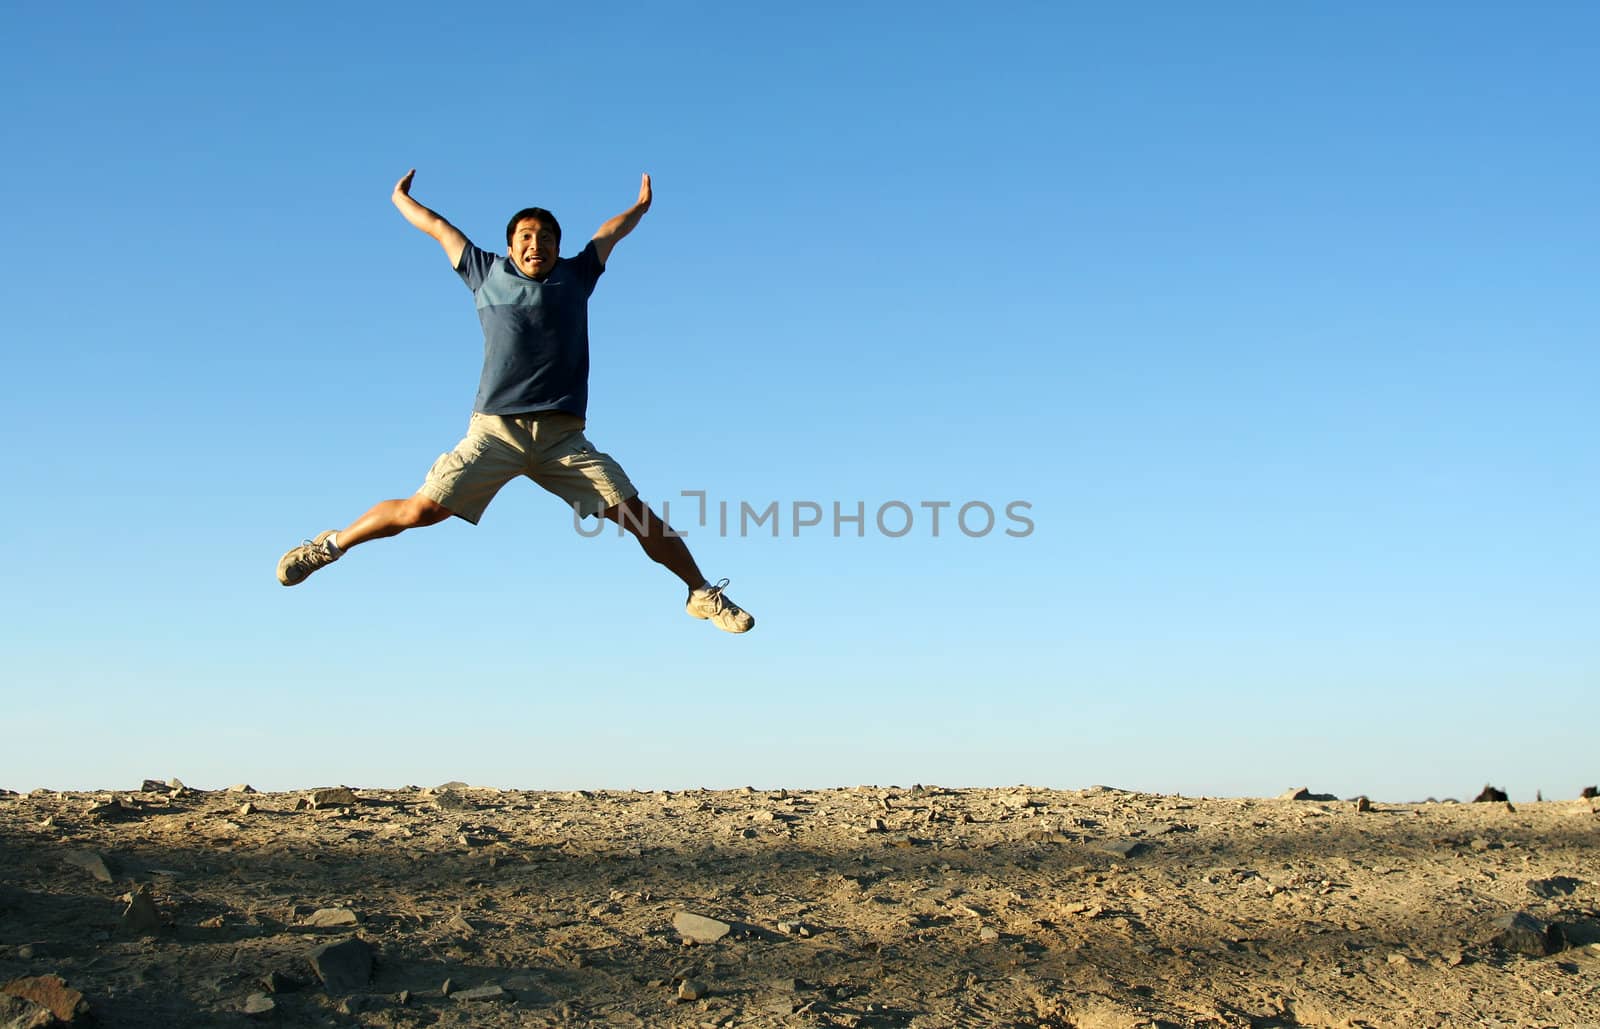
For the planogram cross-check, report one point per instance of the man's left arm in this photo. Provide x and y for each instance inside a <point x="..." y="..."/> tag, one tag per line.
<point x="609" y="233"/>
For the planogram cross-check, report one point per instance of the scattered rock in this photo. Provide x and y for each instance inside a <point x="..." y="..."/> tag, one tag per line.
<point x="154" y="786"/>
<point x="344" y="967"/>
<point x="90" y="862"/>
<point x="989" y="934"/>
<point x="247" y="808"/>
<point x="1590" y="793"/>
<point x="692" y="989"/>
<point x="492" y="992"/>
<point x="1555" y="886"/>
<point x="51" y="993"/>
<point x="17" y="1013"/>
<point x="699" y="928"/>
<point x="1522" y="933"/>
<point x="259" y="1004"/>
<point x="1304" y="793"/>
<point x="338" y="796"/>
<point x="1363" y="804"/>
<point x="277" y="982"/>
<point x="330" y="918"/>
<point x="241" y="788"/>
<point x="1491" y="795"/>
<point x="141" y="916"/>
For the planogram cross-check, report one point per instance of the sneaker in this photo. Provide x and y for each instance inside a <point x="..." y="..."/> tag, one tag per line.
<point x="713" y="604"/>
<point x="300" y="562"/>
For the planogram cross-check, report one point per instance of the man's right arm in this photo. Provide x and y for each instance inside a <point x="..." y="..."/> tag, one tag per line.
<point x="428" y="221"/>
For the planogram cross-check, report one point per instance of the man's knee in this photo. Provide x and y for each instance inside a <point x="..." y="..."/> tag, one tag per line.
<point x="420" y="510"/>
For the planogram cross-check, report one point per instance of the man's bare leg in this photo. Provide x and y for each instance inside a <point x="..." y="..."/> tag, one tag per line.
<point x="386" y="518"/>
<point x="654" y="535"/>
<point x="391" y="518"/>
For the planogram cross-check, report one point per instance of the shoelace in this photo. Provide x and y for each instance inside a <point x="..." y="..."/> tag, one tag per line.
<point x="719" y="603"/>
<point x="314" y="555"/>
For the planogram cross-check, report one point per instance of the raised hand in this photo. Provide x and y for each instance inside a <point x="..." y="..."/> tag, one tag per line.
<point x="403" y="187"/>
<point x="644" y="194"/>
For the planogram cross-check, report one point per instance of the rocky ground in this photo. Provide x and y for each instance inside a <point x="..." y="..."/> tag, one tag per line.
<point x="872" y="906"/>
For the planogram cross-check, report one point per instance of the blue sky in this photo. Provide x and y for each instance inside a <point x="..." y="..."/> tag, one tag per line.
<point x="1281" y="319"/>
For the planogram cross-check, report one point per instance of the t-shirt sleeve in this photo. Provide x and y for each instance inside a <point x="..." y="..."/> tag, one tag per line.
<point x="475" y="266"/>
<point x="589" y="267"/>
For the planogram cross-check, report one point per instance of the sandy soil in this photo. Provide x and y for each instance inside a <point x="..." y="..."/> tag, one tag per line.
<point x="871" y="906"/>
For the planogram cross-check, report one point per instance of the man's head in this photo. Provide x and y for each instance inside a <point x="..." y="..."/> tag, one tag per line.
<point x="533" y="241"/>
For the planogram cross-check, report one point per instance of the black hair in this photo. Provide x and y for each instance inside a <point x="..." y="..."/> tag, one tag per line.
<point x="540" y="213"/>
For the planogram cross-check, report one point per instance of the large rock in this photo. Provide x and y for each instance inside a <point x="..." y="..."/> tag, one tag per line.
<point x="1122" y="848"/>
<point x="699" y="928"/>
<point x="492" y="992"/>
<point x="330" y="918"/>
<point x="51" y="993"/>
<point x="90" y="862"/>
<point x="141" y="916"/>
<point x="1491" y="795"/>
<point x="115" y="810"/>
<point x="343" y="967"/>
<point x="1521" y="933"/>
<point x="1304" y="793"/>
<point x="337" y="796"/>
<point x="259" y="1005"/>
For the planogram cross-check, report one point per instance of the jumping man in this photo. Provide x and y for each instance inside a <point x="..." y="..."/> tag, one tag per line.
<point x="528" y="418"/>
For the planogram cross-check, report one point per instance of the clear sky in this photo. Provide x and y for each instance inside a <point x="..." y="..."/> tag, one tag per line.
<point x="1281" y="318"/>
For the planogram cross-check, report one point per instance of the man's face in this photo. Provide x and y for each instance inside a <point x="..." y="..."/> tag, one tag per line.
<point x="533" y="248"/>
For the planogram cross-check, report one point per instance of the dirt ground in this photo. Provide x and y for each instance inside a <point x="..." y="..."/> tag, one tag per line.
<point x="868" y="906"/>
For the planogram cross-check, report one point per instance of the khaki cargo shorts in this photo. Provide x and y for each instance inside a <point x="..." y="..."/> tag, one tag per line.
<point x="548" y="447"/>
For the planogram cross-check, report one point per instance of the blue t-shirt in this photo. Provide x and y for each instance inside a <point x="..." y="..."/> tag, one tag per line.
<point x="535" y="334"/>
